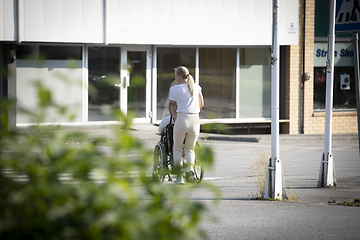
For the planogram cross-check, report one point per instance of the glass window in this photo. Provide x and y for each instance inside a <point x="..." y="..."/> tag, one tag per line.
<point x="63" y="81"/>
<point x="60" y="52"/>
<point x="48" y="52"/>
<point x="322" y="15"/>
<point x="255" y="83"/>
<point x="137" y="89"/>
<point x="104" y="78"/>
<point x="27" y="52"/>
<point x="167" y="60"/>
<point x="217" y="68"/>
<point x="344" y="88"/>
<point x="344" y="76"/>
<point x="322" y="9"/>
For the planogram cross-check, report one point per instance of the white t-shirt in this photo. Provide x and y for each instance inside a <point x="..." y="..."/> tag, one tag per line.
<point x="164" y="123"/>
<point x="185" y="102"/>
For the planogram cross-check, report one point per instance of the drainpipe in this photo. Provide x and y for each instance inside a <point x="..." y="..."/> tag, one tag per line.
<point x="303" y="74"/>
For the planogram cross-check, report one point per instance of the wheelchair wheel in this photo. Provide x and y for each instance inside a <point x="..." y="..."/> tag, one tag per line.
<point x="198" y="170"/>
<point x="159" y="172"/>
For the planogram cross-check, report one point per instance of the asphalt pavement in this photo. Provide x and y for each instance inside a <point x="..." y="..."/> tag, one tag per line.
<point x="313" y="213"/>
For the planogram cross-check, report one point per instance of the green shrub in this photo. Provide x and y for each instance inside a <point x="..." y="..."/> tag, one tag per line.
<point x="57" y="184"/>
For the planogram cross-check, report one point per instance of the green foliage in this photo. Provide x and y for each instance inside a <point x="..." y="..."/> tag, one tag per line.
<point x="57" y="184"/>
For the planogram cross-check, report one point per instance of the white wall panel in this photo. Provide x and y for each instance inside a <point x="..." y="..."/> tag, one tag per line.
<point x="181" y="22"/>
<point x="2" y="20"/>
<point x="213" y="25"/>
<point x="163" y="27"/>
<point x="246" y="14"/>
<point x="128" y="22"/>
<point x="288" y="22"/>
<point x="112" y="21"/>
<point x="7" y="20"/>
<point x="54" y="20"/>
<point x="262" y="22"/>
<point x="73" y="17"/>
<point x="197" y="9"/>
<point x="230" y="27"/>
<point x="145" y="21"/>
<point x="202" y="22"/>
<point x="34" y="20"/>
<point x="21" y="23"/>
<point x="93" y="21"/>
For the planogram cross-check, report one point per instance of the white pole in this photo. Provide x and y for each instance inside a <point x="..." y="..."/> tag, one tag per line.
<point x="274" y="187"/>
<point x="357" y="90"/>
<point x="326" y="175"/>
<point x="275" y="88"/>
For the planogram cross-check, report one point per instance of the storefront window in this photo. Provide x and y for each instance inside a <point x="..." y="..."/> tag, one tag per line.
<point x="344" y="76"/>
<point x="137" y="89"/>
<point x="217" y="68"/>
<point x="167" y="60"/>
<point x="58" y="68"/>
<point x="104" y="89"/>
<point x="255" y="83"/>
<point x="48" y="52"/>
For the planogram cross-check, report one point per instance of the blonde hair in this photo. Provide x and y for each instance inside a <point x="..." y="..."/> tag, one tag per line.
<point x="185" y="74"/>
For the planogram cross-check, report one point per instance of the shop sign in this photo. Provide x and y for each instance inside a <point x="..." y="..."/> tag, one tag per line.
<point x="347" y="16"/>
<point x="343" y="54"/>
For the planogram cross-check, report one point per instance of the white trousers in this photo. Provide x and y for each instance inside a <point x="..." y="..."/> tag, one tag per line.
<point x="187" y="126"/>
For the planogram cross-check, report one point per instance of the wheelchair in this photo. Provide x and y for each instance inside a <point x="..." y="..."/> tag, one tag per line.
<point x="163" y="158"/>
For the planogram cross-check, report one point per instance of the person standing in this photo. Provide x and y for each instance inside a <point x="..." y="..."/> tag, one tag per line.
<point x="189" y="100"/>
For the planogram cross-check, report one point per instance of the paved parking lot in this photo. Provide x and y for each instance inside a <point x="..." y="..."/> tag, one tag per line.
<point x="311" y="216"/>
<point x="237" y="216"/>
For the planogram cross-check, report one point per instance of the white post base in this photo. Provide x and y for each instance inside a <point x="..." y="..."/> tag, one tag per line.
<point x="327" y="171"/>
<point x="275" y="183"/>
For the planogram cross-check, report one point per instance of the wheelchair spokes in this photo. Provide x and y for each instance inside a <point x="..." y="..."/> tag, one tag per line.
<point x="198" y="171"/>
<point x="158" y="168"/>
<point x="163" y="165"/>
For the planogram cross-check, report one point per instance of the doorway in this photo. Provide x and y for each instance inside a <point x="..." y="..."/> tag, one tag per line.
<point x="136" y="79"/>
<point x="119" y="78"/>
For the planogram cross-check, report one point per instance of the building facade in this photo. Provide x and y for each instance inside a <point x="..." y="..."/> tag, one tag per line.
<point x="316" y="24"/>
<point x="97" y="55"/>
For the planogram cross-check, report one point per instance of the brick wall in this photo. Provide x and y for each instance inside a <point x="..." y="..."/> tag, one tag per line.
<point x="296" y="99"/>
<point x="309" y="63"/>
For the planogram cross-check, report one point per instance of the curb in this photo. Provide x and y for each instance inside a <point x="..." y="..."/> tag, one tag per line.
<point x="147" y="132"/>
<point x="282" y="138"/>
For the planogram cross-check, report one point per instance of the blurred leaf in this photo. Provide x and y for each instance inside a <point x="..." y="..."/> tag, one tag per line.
<point x="206" y="156"/>
<point x="56" y="183"/>
<point x="92" y="90"/>
<point x="44" y="96"/>
<point x="215" y="127"/>
<point x="72" y="64"/>
<point x="138" y="80"/>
